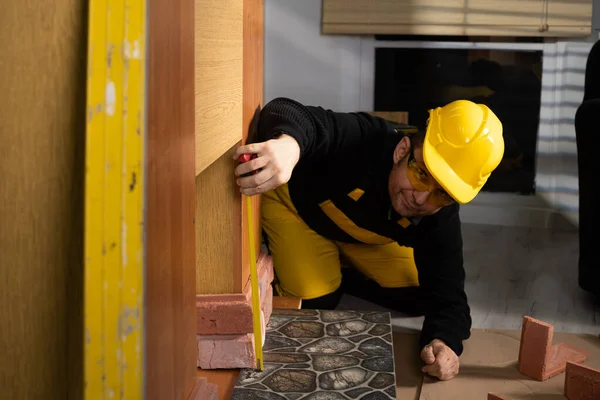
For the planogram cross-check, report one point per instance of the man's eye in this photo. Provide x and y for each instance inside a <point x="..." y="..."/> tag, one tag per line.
<point x="444" y="195"/>
<point x="422" y="175"/>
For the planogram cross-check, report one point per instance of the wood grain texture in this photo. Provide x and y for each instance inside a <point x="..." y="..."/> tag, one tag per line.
<point x="252" y="103"/>
<point x="287" y="302"/>
<point x="218" y="228"/>
<point x="42" y="125"/>
<point x="170" y="261"/>
<point x="222" y="253"/>
<point x="218" y="77"/>
<point x="224" y="379"/>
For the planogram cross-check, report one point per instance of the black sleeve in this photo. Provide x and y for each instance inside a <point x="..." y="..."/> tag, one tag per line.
<point x="319" y="132"/>
<point x="439" y="259"/>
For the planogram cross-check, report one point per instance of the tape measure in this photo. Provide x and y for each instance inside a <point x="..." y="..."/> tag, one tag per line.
<point x="254" y="276"/>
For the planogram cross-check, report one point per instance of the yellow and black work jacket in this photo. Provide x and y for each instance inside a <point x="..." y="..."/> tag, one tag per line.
<point x="340" y="189"/>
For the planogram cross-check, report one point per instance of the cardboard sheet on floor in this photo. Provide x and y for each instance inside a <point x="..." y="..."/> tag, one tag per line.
<point x="407" y="364"/>
<point x="489" y="364"/>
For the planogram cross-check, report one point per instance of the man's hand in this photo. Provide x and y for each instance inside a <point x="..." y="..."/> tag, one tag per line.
<point x="441" y="361"/>
<point x="276" y="161"/>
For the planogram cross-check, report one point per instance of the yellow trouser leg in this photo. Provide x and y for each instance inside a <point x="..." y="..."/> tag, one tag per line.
<point x="390" y="265"/>
<point x="306" y="264"/>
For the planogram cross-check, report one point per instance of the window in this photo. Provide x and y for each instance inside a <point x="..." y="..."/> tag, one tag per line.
<point x="508" y="81"/>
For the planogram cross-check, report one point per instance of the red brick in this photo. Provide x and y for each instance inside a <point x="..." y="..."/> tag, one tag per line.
<point x="267" y="304"/>
<point x="538" y="358"/>
<point x="231" y="314"/>
<point x="266" y="273"/>
<point x="227" y="315"/>
<point x="560" y="354"/>
<point x="536" y="341"/>
<point x="226" y="351"/>
<point x="582" y="382"/>
<point x="494" y="396"/>
<point x="225" y="325"/>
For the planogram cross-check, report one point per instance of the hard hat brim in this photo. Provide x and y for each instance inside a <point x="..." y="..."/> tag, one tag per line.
<point x="441" y="171"/>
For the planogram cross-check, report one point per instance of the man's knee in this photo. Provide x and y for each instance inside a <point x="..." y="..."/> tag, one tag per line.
<point x="313" y="291"/>
<point x="408" y="300"/>
<point x="327" y="302"/>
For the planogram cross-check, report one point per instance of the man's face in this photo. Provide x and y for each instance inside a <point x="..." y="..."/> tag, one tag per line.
<point x="413" y="191"/>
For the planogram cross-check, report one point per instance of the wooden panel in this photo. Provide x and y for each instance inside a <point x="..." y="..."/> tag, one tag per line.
<point x="170" y="262"/>
<point x="218" y="228"/>
<point x="222" y="261"/>
<point x="219" y="56"/>
<point x="287" y="302"/>
<point x="253" y="99"/>
<point x="459" y="17"/>
<point x="42" y="125"/>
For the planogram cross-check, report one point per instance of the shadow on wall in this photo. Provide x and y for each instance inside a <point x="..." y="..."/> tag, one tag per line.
<point x="516" y="271"/>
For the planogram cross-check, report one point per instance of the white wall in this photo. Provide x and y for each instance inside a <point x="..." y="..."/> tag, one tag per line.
<point x="302" y="64"/>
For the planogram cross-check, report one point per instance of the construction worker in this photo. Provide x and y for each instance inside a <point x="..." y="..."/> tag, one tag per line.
<point x="353" y="189"/>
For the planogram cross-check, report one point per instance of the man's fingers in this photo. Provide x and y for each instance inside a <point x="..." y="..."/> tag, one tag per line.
<point x="255" y="180"/>
<point x="438" y="346"/>
<point x="433" y="369"/>
<point x="446" y="363"/>
<point x="251" y="165"/>
<point x="441" y="370"/>
<point x="427" y="354"/>
<point x="252" y="148"/>
<point x="262" y="188"/>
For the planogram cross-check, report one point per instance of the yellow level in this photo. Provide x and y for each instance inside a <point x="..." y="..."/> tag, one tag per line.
<point x="114" y="200"/>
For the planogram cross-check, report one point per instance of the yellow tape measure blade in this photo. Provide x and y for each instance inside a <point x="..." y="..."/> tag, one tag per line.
<point x="254" y="283"/>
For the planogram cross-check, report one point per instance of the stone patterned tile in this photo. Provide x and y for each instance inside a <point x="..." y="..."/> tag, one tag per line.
<point x="323" y="355"/>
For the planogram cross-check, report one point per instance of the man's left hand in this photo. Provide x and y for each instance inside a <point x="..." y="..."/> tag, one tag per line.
<point x="442" y="362"/>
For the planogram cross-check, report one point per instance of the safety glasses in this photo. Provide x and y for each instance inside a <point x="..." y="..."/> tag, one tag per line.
<point x="421" y="181"/>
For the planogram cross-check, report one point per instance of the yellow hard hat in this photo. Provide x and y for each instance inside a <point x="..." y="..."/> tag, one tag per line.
<point x="463" y="145"/>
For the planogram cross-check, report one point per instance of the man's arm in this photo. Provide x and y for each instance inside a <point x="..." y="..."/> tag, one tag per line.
<point x="439" y="260"/>
<point x="319" y="132"/>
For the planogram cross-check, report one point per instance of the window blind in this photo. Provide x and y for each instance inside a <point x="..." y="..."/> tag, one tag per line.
<point x="558" y="18"/>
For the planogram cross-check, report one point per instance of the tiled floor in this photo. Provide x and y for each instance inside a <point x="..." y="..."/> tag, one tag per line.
<point x="323" y="355"/>
<point x="512" y="272"/>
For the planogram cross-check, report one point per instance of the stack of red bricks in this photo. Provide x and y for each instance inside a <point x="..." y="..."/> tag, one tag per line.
<point x="225" y="325"/>
<point x="581" y="383"/>
<point x="541" y="360"/>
